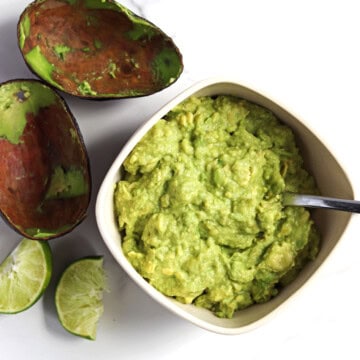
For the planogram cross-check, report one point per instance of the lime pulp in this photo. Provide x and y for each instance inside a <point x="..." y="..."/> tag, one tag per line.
<point x="24" y="275"/>
<point x="78" y="296"/>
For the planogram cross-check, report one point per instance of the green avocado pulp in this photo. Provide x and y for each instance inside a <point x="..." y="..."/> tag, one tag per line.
<point x="200" y="205"/>
<point x="17" y="99"/>
<point x="65" y="184"/>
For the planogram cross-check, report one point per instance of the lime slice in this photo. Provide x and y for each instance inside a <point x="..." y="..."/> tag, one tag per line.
<point x="78" y="296"/>
<point x="24" y="275"/>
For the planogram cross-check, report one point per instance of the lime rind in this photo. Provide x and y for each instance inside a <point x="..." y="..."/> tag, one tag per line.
<point x="24" y="275"/>
<point x="78" y="296"/>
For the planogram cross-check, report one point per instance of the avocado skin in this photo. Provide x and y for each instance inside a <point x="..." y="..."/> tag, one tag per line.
<point x="148" y="60"/>
<point x="49" y="139"/>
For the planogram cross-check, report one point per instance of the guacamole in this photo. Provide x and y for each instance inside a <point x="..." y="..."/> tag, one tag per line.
<point x="200" y="205"/>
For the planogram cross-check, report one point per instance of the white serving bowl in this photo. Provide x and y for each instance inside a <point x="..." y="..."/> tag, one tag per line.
<point x="330" y="178"/>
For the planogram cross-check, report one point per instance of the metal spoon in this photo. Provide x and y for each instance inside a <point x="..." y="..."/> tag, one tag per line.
<point x="313" y="201"/>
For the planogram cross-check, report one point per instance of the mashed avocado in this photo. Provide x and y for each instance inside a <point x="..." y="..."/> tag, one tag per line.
<point x="200" y="205"/>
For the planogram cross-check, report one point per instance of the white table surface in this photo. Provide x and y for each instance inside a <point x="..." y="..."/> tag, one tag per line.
<point x="305" y="54"/>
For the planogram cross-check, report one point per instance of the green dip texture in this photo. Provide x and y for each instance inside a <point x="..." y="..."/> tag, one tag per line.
<point x="199" y="205"/>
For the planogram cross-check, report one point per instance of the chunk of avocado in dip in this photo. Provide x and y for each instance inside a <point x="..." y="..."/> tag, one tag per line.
<point x="200" y="205"/>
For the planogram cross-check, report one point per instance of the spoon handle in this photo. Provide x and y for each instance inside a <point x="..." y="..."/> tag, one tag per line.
<point x="321" y="202"/>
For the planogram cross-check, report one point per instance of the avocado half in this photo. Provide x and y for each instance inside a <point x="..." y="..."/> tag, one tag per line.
<point x="45" y="180"/>
<point x="96" y="49"/>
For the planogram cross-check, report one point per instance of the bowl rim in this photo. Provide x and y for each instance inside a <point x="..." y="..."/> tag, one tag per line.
<point x="107" y="186"/>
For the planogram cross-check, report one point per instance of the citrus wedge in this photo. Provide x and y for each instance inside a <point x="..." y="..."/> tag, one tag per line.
<point x="24" y="275"/>
<point x="78" y="296"/>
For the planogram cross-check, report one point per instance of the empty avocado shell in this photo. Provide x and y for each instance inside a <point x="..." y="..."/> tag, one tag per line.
<point x="96" y="49"/>
<point x="44" y="170"/>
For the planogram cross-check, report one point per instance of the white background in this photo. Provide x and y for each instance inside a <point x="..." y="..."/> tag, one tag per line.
<point x="304" y="54"/>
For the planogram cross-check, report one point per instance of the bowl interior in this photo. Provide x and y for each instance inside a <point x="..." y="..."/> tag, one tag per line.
<point x="331" y="180"/>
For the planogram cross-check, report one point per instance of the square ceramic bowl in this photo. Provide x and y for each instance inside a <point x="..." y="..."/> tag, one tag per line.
<point x="330" y="178"/>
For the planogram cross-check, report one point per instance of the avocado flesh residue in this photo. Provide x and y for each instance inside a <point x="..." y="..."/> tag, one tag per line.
<point x="42" y="233"/>
<point x="17" y="99"/>
<point x="166" y="66"/>
<point x="24" y="31"/>
<point x="41" y="65"/>
<point x="65" y="184"/>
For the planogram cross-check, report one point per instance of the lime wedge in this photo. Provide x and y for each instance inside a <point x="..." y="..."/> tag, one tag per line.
<point x="78" y="296"/>
<point x="24" y="275"/>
